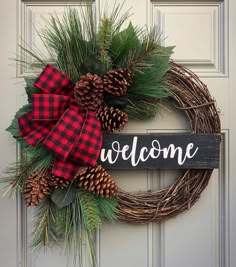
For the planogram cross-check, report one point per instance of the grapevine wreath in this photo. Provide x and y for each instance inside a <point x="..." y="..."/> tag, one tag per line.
<point x="93" y="80"/>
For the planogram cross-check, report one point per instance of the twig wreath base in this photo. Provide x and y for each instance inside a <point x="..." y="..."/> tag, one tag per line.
<point x="192" y="96"/>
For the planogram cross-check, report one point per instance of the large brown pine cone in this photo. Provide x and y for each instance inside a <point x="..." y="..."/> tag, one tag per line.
<point x="89" y="91"/>
<point x="97" y="180"/>
<point x="36" y="188"/>
<point x="112" y="119"/>
<point x="117" y="81"/>
<point x="40" y="184"/>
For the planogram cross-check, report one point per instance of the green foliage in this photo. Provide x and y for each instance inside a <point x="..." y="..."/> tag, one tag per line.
<point x="149" y="80"/>
<point x="95" y="209"/>
<point x="60" y="219"/>
<point x="30" y="59"/>
<point x="13" y="129"/>
<point x="30" y="89"/>
<point x="44" y="158"/>
<point x="124" y="44"/>
<point x="107" y="207"/>
<point x="44" y="225"/>
<point x="78" y="43"/>
<point x="104" y="39"/>
<point x="70" y="41"/>
<point x="63" y="197"/>
<point x="93" y="65"/>
<point x="140" y="109"/>
<point x="15" y="176"/>
<point x="53" y="226"/>
<point x="76" y="234"/>
<point x="76" y="223"/>
<point x="67" y="40"/>
<point x="90" y="211"/>
<point x="150" y="45"/>
<point x="141" y="51"/>
<point x="33" y="158"/>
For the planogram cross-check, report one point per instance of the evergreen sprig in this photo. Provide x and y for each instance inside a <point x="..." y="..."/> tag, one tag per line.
<point x="77" y="234"/>
<point x="107" y="208"/>
<point x="104" y="39"/>
<point x="90" y="211"/>
<point x="33" y="159"/>
<point x="44" y="224"/>
<point x="79" y="43"/>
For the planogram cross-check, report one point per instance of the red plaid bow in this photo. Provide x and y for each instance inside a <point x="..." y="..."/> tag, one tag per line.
<point x="71" y="133"/>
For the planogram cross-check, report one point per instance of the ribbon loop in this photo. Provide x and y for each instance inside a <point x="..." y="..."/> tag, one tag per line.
<point x="53" y="81"/>
<point x="49" y="107"/>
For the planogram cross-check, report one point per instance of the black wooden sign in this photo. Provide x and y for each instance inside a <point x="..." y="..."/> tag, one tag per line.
<point x="160" y="151"/>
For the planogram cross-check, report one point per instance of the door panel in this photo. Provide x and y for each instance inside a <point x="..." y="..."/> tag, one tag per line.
<point x="199" y="237"/>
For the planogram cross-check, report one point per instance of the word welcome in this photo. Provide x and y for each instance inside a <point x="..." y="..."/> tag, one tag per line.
<point x="166" y="151"/>
<point x="156" y="150"/>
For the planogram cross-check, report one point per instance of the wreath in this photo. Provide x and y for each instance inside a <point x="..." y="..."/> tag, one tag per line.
<point x="94" y="79"/>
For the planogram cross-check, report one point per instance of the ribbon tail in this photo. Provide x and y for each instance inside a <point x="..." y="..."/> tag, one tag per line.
<point x="88" y="147"/>
<point x="67" y="170"/>
<point x="49" y="107"/>
<point x="65" y="134"/>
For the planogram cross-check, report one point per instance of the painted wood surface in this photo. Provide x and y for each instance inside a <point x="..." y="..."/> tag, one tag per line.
<point x="160" y="151"/>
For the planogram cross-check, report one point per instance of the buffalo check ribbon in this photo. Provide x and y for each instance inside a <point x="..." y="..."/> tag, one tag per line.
<point x="70" y="132"/>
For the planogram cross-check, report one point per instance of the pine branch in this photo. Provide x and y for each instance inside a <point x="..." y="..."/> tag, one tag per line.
<point x="104" y="38"/>
<point x="60" y="219"/>
<point x="90" y="211"/>
<point x="108" y="207"/>
<point x="141" y="57"/>
<point x="139" y="109"/>
<point x="77" y="234"/>
<point x="35" y="158"/>
<point x="16" y="176"/>
<point x="38" y="63"/>
<point x="119" y="19"/>
<point x="44" y="225"/>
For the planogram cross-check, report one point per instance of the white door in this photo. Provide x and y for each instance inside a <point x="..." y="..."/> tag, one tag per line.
<point x="205" y="236"/>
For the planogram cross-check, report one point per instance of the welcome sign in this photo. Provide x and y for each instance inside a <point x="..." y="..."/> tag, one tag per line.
<point x="160" y="151"/>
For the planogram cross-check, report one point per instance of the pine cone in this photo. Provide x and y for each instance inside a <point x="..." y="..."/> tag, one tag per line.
<point x="36" y="188"/>
<point x="58" y="182"/>
<point x="89" y="91"/>
<point x="111" y="119"/>
<point x="97" y="180"/>
<point x="116" y="82"/>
